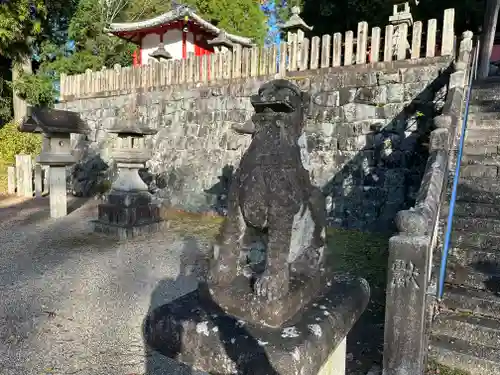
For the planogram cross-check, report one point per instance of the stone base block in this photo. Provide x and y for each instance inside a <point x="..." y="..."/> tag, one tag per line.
<point x="128" y="215"/>
<point x="124" y="232"/>
<point x="196" y="331"/>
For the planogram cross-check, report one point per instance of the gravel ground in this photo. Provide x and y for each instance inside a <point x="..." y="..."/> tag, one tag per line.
<point x="73" y="302"/>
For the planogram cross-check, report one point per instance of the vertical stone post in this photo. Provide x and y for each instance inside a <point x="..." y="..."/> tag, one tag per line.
<point x="401" y="19"/>
<point x="58" y="196"/>
<point x="46" y="171"/>
<point x="448" y="34"/>
<point x="11" y="180"/>
<point x="405" y="311"/>
<point x="361" y="42"/>
<point x="24" y="176"/>
<point x="38" y="180"/>
<point x="56" y="127"/>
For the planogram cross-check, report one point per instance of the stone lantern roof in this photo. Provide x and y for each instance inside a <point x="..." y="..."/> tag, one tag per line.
<point x="295" y="22"/>
<point x="161" y="53"/>
<point x="50" y="121"/>
<point x="221" y="40"/>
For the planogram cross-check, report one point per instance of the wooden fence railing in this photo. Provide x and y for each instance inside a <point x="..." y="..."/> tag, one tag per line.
<point x="398" y="43"/>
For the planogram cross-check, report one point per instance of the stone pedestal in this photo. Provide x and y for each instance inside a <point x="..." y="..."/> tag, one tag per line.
<point x="56" y="127"/>
<point x="129" y="209"/>
<point x="195" y="330"/>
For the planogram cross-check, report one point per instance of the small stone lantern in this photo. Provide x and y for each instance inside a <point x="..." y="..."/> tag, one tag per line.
<point x="161" y="53"/>
<point x="295" y="26"/>
<point x="129" y="209"/>
<point x="56" y="127"/>
<point x="221" y="42"/>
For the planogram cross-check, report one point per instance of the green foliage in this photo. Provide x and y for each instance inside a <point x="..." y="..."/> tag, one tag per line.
<point x="13" y="142"/>
<point x="243" y="17"/>
<point x="5" y="100"/>
<point x="144" y="9"/>
<point x="36" y="89"/>
<point x="20" y="21"/>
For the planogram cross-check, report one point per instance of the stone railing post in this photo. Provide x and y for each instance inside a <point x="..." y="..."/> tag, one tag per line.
<point x="11" y="180"/>
<point x="56" y="127"/>
<point x="37" y="171"/>
<point x="410" y="251"/>
<point x="24" y="176"/>
<point x="129" y="209"/>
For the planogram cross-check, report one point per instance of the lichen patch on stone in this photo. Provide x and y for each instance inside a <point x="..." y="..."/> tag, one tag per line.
<point x="290" y="332"/>
<point x="315" y="329"/>
<point x="202" y="328"/>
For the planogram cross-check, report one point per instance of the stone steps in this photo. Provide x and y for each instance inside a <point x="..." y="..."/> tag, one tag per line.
<point x="477" y="329"/>
<point x="485" y="91"/>
<point x="468" y="193"/>
<point x="482" y="302"/>
<point x="477" y="241"/>
<point x="480" y="133"/>
<point x="467" y="334"/>
<point x="480" y="183"/>
<point x="481" y="159"/>
<point x="461" y="354"/>
<point x="484" y="115"/>
<point x="477" y="170"/>
<point x="485" y="260"/>
<point x="480" y="276"/>
<point x="465" y="209"/>
<point x="477" y="225"/>
<point x="476" y="122"/>
<point x="486" y="105"/>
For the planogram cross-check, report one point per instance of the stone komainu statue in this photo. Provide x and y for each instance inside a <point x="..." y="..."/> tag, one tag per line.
<point x="274" y="210"/>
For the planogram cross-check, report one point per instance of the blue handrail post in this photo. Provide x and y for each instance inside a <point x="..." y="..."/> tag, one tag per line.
<point x="449" y="225"/>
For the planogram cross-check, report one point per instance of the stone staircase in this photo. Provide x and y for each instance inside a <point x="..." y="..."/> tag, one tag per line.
<point x="466" y="333"/>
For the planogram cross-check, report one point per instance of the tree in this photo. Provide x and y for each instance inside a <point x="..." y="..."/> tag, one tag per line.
<point x="342" y="15"/>
<point x="243" y="17"/>
<point x="20" y="21"/>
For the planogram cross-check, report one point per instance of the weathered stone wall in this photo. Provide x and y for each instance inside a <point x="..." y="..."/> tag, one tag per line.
<point x="366" y="131"/>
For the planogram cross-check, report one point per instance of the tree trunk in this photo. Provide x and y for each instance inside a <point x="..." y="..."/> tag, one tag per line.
<point x="20" y="106"/>
<point x="488" y="36"/>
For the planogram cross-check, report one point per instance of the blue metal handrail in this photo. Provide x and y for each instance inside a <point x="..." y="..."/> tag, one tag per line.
<point x="444" y="257"/>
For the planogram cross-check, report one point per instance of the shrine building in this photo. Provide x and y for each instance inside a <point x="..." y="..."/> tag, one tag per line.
<point x="175" y="34"/>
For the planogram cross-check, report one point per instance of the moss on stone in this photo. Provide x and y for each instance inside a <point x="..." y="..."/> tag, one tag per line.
<point x="434" y="368"/>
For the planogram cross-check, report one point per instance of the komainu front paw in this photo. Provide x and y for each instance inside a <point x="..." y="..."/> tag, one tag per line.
<point x="273" y="284"/>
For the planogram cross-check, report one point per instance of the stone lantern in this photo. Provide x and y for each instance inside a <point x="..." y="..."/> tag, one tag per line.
<point x="295" y="26"/>
<point x="129" y="209"/>
<point x="221" y="43"/>
<point x="56" y="127"/>
<point x="161" y="53"/>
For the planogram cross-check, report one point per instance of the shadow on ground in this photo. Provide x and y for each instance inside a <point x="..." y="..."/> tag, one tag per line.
<point x="163" y="334"/>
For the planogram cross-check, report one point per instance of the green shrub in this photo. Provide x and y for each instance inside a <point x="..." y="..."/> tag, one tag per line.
<point x="13" y="142"/>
